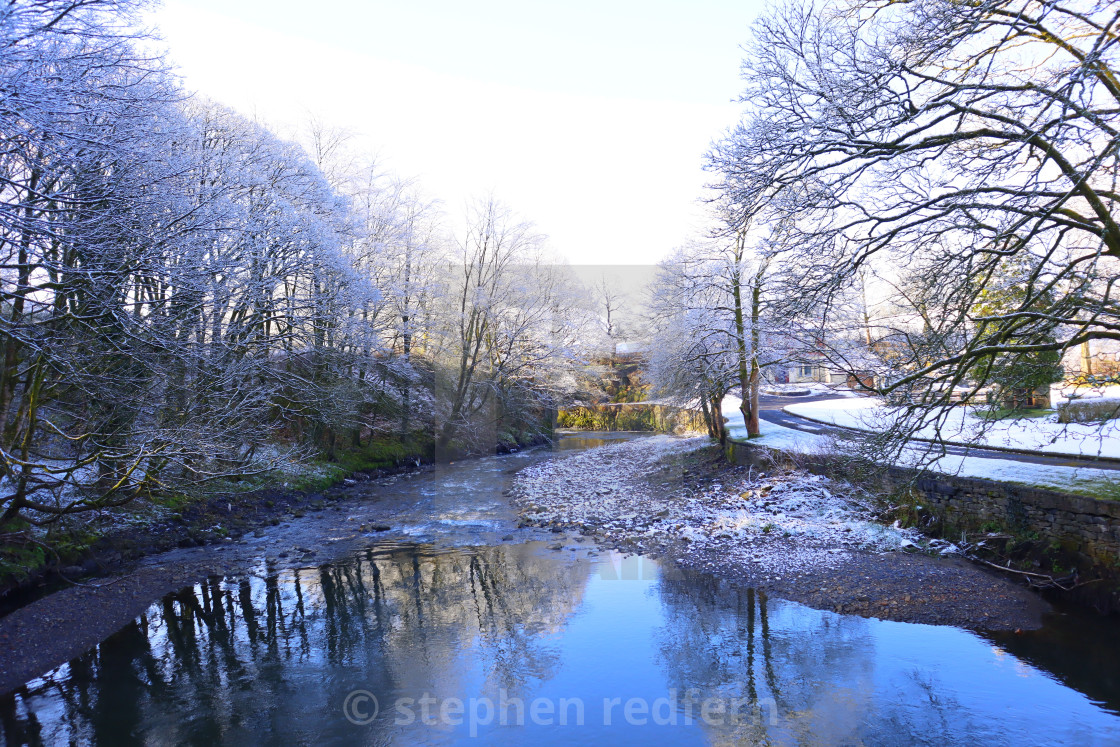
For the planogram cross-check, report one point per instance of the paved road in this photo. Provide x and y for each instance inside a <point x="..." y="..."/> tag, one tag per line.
<point x="770" y="409"/>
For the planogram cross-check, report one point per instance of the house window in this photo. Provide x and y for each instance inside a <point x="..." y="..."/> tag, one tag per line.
<point x="805" y="371"/>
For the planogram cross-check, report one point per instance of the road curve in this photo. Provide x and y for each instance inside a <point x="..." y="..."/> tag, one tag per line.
<point x="770" y="410"/>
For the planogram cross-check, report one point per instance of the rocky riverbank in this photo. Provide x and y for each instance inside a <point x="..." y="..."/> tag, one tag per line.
<point x="107" y="542"/>
<point x="796" y="535"/>
<point x="125" y="535"/>
<point x="260" y="535"/>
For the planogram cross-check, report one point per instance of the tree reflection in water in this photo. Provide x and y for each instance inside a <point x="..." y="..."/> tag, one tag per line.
<point x="719" y="641"/>
<point x="825" y="677"/>
<point x="271" y="658"/>
<point x="277" y="654"/>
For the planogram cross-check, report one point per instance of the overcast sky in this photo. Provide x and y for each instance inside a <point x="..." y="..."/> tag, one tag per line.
<point x="588" y="117"/>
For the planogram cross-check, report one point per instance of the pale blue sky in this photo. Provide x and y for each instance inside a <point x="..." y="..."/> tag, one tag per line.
<point x="590" y="118"/>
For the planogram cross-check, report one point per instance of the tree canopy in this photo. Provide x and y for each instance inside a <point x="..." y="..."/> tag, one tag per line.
<point x="923" y="148"/>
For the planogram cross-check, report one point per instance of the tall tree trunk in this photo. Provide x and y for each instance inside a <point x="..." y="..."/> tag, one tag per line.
<point x="708" y="420"/>
<point x="755" y="378"/>
<point x="9" y="372"/>
<point x="1086" y="359"/>
<point x="717" y="418"/>
<point x="740" y="328"/>
<point x="746" y="359"/>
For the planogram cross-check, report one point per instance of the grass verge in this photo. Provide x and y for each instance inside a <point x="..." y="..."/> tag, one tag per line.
<point x="1004" y="413"/>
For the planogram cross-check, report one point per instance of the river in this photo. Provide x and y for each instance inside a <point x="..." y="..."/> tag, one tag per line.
<point x="447" y="631"/>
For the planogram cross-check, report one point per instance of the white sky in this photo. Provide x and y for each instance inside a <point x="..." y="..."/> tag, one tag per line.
<point x="589" y="118"/>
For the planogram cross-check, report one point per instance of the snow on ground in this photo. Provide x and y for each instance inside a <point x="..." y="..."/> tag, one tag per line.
<point x="812" y="388"/>
<point x="1044" y="435"/>
<point x="1064" y="393"/>
<point x="779" y="524"/>
<point x="776" y="436"/>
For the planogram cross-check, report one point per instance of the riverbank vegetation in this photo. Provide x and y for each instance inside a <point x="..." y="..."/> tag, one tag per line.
<point x="643" y="416"/>
<point x="190" y="303"/>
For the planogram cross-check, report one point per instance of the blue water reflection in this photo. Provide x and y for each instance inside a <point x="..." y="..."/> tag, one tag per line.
<point x="462" y="637"/>
<point x="518" y="644"/>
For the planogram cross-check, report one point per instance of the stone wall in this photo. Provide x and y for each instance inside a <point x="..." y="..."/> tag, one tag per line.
<point x="1084" y="531"/>
<point x="1089" y="527"/>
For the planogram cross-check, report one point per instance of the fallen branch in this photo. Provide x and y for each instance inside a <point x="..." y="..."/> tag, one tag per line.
<point x="1050" y="581"/>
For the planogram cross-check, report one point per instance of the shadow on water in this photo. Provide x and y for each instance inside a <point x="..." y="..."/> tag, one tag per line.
<point x="1080" y="649"/>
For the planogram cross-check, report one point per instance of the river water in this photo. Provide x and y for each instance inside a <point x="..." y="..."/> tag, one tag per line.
<point x="444" y="633"/>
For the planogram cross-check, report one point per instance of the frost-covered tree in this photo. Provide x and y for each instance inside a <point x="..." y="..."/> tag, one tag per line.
<point x="399" y="244"/>
<point x="185" y="296"/>
<point x="712" y="309"/>
<point x="507" y="329"/>
<point x="689" y="365"/>
<point x="89" y="200"/>
<point x="927" y="144"/>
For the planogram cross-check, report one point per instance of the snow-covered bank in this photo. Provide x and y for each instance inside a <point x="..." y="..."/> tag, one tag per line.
<point x="1043" y="434"/>
<point x="1062" y="393"/>
<point x="779" y="523"/>
<point x="795" y="535"/>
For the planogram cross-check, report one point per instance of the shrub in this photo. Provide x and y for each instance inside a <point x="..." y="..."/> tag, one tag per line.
<point x="1088" y="410"/>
